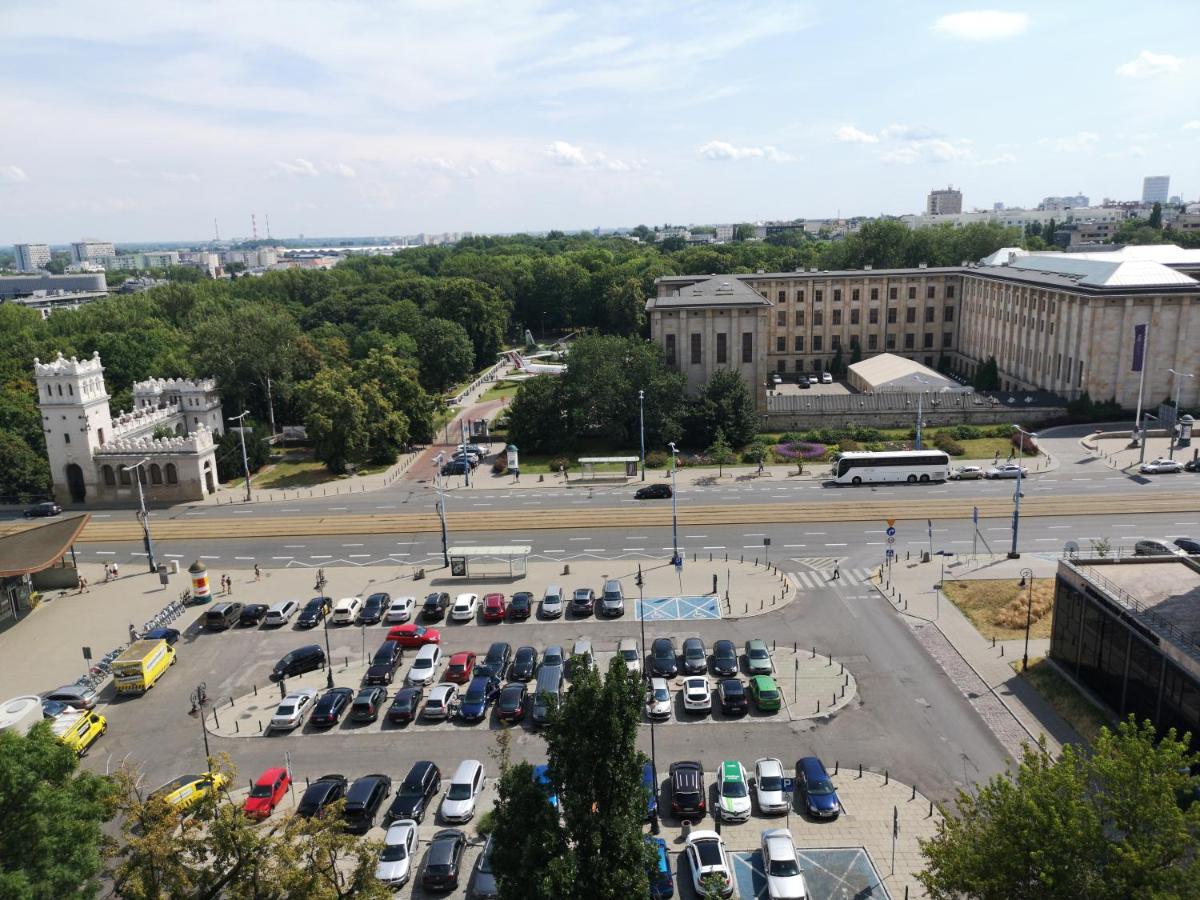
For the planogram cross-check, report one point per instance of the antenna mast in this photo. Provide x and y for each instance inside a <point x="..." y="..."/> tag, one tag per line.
<point x="253" y="227"/>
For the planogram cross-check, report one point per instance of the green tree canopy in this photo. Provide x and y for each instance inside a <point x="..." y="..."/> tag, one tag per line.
<point x="724" y="404"/>
<point x="445" y="351"/>
<point x="336" y="418"/>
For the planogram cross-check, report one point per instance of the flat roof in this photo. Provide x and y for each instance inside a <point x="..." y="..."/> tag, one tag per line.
<point x="716" y="290"/>
<point x="1171" y="588"/>
<point x="39" y="547"/>
<point x="607" y="459"/>
<point x="507" y="550"/>
<point x="890" y="370"/>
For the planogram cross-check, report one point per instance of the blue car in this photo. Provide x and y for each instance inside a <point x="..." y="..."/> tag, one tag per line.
<point x="819" y="795"/>
<point x="478" y="697"/>
<point x="541" y="777"/>
<point x="650" y="783"/>
<point x="662" y="886"/>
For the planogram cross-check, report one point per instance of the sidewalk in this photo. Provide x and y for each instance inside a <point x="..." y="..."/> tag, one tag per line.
<point x="1012" y="709"/>
<point x="1114" y="449"/>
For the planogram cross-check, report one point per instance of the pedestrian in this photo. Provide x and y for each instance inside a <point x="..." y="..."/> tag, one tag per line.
<point x="107" y="574"/>
<point x="133" y="635"/>
<point x="837" y="573"/>
<point x="116" y="572"/>
<point x="257" y="573"/>
<point x="760" y="466"/>
<point x="83" y="585"/>
<point x="996" y="460"/>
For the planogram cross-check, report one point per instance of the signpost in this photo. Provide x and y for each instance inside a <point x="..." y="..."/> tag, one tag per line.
<point x="891" y="539"/>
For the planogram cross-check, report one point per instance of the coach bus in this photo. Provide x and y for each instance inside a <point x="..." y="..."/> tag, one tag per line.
<point x="912" y="466"/>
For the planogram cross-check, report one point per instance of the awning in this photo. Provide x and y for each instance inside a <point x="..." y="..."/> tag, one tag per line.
<point x="506" y="550"/>
<point x="38" y="548"/>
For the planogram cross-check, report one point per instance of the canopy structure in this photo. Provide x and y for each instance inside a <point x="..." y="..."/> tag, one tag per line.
<point x="588" y="465"/>
<point x="889" y="372"/>
<point x="34" y="558"/>
<point x="471" y="562"/>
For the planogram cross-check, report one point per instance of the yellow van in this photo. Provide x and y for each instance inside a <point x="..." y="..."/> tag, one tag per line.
<point x="188" y="790"/>
<point x="136" y="670"/>
<point x="79" y="731"/>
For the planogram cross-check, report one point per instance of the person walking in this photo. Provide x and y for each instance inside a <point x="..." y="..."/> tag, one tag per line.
<point x="83" y="585"/>
<point x="107" y="574"/>
<point x="257" y="573"/>
<point x="116" y="572"/>
<point x="837" y="573"/>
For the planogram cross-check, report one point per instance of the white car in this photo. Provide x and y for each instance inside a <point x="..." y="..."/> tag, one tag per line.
<point x="464" y="607"/>
<point x="424" y="667"/>
<point x="696" y="695"/>
<point x="628" y="651"/>
<point x="776" y="379"/>
<point x="768" y="786"/>
<point x="733" y="792"/>
<point x="553" y="602"/>
<point x="401" y="610"/>
<point x="465" y="787"/>
<point x="345" y="611"/>
<point x="395" y="861"/>
<point x="813" y="379"/>
<point x="658" y="700"/>
<point x="292" y="709"/>
<point x="967" y="473"/>
<point x="706" y="856"/>
<point x="442" y="702"/>
<point x="1007" y="470"/>
<point x="826" y="378"/>
<point x="1160" y="466"/>
<point x="785" y="881"/>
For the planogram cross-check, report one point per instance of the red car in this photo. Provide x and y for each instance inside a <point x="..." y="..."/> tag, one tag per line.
<point x="494" y="608"/>
<point x="412" y="635"/>
<point x="266" y="793"/>
<point x="460" y="668"/>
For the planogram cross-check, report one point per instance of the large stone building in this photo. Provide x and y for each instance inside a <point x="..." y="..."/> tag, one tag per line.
<point x="1062" y="322"/>
<point x="943" y="202"/>
<point x="90" y="450"/>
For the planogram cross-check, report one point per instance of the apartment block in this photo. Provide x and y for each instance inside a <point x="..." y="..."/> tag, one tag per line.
<point x="31" y="257"/>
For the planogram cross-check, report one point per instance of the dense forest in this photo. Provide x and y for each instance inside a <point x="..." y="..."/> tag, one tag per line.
<point x="361" y="354"/>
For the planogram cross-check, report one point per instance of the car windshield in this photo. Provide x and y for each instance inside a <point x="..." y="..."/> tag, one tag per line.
<point x="758" y="653"/>
<point x="694" y="652"/>
<point x="662" y="694"/>
<point x="709" y="852"/>
<point x="821" y="788"/>
<point x="663" y="652"/>
<point x="552" y="659"/>
<point x="423" y="663"/>
<point x="459" y="791"/>
<point x="782" y="868"/>
<point x="733" y="789"/>
<point x="458" y="666"/>
<point x="734" y="689"/>
<point x="770" y="783"/>
<point x="769" y="694"/>
<point x="285" y="709"/>
<point x="394" y="853"/>
<point x="629" y="655"/>
<point x="261" y="790"/>
<point x="383" y="655"/>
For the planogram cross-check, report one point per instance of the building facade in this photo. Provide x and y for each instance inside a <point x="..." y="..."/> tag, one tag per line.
<point x="90" y="451"/>
<point x="941" y="203"/>
<point x="1155" y="189"/>
<point x="92" y="251"/>
<point x="31" y="257"/>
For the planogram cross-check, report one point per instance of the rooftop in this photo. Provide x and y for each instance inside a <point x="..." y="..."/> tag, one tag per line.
<point x="887" y="370"/>
<point x="717" y="290"/>
<point x="34" y="549"/>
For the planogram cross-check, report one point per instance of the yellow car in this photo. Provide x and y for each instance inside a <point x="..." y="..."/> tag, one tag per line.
<point x="188" y="790"/>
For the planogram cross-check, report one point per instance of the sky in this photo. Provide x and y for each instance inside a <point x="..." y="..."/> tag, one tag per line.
<point x="142" y="121"/>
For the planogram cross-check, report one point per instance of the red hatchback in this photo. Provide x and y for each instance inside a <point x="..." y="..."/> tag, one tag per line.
<point x="460" y="668"/>
<point x="412" y="635"/>
<point x="266" y="793"/>
<point x="494" y="608"/>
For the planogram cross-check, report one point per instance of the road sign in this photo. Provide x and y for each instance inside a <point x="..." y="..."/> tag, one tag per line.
<point x="87" y="654"/>
<point x="889" y="552"/>
<point x="891" y="540"/>
<point x="891" y="522"/>
<point x="891" y="532"/>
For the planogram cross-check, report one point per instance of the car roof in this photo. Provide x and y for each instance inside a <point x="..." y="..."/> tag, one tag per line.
<point x="692" y="642"/>
<point x="768" y="764"/>
<point x="441" y="691"/>
<point x="270" y="775"/>
<point x="363" y="786"/>
<point x="428" y="650"/>
<point x="466" y="770"/>
<point x="398" y="831"/>
<point x="811" y="765"/>
<point x="756" y="644"/>
<point x="664" y="642"/>
<point x="461" y="656"/>
<point x="731" y="770"/>
<point x="779" y="841"/>
<point x="420" y="768"/>
<point x="763" y="681"/>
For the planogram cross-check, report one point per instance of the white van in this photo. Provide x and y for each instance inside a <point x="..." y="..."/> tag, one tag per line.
<point x="465" y="787"/>
<point x="346" y="611"/>
<point x="280" y="613"/>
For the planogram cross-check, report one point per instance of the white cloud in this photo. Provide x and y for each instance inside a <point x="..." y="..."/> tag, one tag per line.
<point x="566" y="154"/>
<point x="179" y="177"/>
<point x="12" y="175"/>
<point x="848" y="134"/>
<point x="982" y="25"/>
<point x="297" y="167"/>
<point x="340" y="168"/>
<point x="570" y="155"/>
<point x="1193" y="125"/>
<point x="909" y="132"/>
<point x="1080" y="142"/>
<point x="999" y="160"/>
<point x="1148" y="65"/>
<point x="932" y="150"/>
<point x="724" y="151"/>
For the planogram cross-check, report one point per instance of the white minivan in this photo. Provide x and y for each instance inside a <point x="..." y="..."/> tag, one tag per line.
<point x="280" y="614"/>
<point x="465" y="787"/>
<point x="346" y="611"/>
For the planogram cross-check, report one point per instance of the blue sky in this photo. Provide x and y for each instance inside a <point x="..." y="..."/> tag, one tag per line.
<point x="139" y="120"/>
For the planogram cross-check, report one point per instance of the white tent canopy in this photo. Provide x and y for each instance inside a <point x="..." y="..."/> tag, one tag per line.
<point x="889" y="372"/>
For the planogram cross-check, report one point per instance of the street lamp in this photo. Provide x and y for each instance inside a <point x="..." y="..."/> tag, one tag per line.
<point x="245" y="462"/>
<point x="642" y="428"/>
<point x="654" y="826"/>
<point x="1178" y="385"/>
<point x="920" y="398"/>
<point x="674" y="515"/>
<point x="1027" y="579"/>
<point x="320" y="587"/>
<point x="1013" y="554"/>
<point x="1142" y="435"/>
<point x="136" y="468"/>
<point x="441" y="506"/>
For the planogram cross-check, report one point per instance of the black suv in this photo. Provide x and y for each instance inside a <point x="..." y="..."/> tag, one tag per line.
<point x="373" y="608"/>
<point x="687" y="790"/>
<point x="662" y="658"/>
<point x="695" y="657"/>
<point x="314" y="611"/>
<point x="367" y="704"/>
<point x="384" y="663"/>
<point x="435" y="606"/>
<point x="443" y="862"/>
<point x="321" y="794"/>
<point x="420" y="785"/>
<point x="653" y="492"/>
<point x="303" y="659"/>
<point x="520" y="606"/>
<point x="252" y="614"/>
<point x="725" y="658"/>
<point x="496" y="661"/>
<point x="363" y="800"/>
<point x="734" y="700"/>
<point x="329" y="709"/>
<point x="583" y="601"/>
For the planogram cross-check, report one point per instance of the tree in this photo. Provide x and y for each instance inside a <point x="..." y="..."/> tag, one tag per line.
<point x="529" y="854"/>
<point x="743" y="232"/>
<point x="537" y="416"/>
<point x="1155" y="220"/>
<point x="229" y="453"/>
<point x="22" y="471"/>
<point x="987" y="376"/>
<point x="759" y="451"/>
<point x="836" y="365"/>
<point x="721" y="453"/>
<point x="724" y="404"/>
<point x="855" y="352"/>
<point x="51" y="840"/>
<point x="58" y="263"/>
<point x="400" y="384"/>
<point x="335" y="417"/>
<point x="445" y="354"/>
<point x="625" y="307"/>
<point x="1099" y="824"/>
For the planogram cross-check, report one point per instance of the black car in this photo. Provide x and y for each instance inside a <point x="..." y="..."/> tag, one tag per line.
<point x="314" y="611"/>
<point x="368" y="704"/>
<point x="695" y="657"/>
<point x="734" y="700"/>
<point x="653" y="492"/>
<point x="583" y="601"/>
<point x="443" y="862"/>
<point x="42" y="510"/>
<point x="523" y="664"/>
<point x="252" y="614"/>
<point x="687" y="790"/>
<point x="456" y="467"/>
<point x="496" y="661"/>
<point x="422" y="783"/>
<point x="170" y="635"/>
<point x="330" y="706"/>
<point x="373" y="608"/>
<point x="725" y="658"/>
<point x="1192" y="465"/>
<point x="384" y="663"/>
<point x="510" y="707"/>
<point x="435" y="606"/>
<point x="520" y="607"/>
<point x="321" y="794"/>
<point x="662" y="658"/>
<point x="363" y="800"/>
<point x="1188" y="545"/>
<point x="303" y="659"/>
<point x="405" y="705"/>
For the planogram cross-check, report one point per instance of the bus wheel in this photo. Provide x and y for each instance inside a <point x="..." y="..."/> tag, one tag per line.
<point x="856" y="480"/>
<point x="912" y="479"/>
<point x="924" y="479"/>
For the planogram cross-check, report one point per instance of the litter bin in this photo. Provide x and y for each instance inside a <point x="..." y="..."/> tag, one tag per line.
<point x="173" y="567"/>
<point x="685" y="828"/>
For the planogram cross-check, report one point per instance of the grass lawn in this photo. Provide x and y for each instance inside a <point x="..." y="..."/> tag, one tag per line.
<point x="1066" y="699"/>
<point x="501" y="389"/>
<point x="301" y="472"/>
<point x="996" y="607"/>
<point x="986" y="448"/>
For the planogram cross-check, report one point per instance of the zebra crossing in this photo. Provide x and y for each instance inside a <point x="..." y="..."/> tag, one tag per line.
<point x="824" y="577"/>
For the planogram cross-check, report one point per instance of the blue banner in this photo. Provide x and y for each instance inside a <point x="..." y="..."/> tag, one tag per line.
<point x="1139" y="346"/>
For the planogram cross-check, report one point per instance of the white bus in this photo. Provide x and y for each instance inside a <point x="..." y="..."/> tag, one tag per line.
<point x="855" y="467"/>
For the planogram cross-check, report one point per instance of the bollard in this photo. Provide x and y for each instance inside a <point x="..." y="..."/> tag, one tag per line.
<point x="830" y="663"/>
<point x="231" y="703"/>
<point x="346" y="664"/>
<point x="742" y="558"/>
<point x="906" y="604"/>
<point x="794" y="646"/>
<point x="216" y="721"/>
<point x="710" y="556"/>
<point x="993" y="642"/>
<point x="814" y="653"/>
<point x="818" y="706"/>
<point x="1001" y="649"/>
<point x="930" y="809"/>
<point x="885" y="776"/>
<point x="260" y="728"/>
<point x="900" y="597"/>
<point x="745" y="607"/>
<point x="835" y="768"/>
<point x="906" y="892"/>
<point x="236" y="729"/>
<point x="843" y="690"/>
<point x="914" y="796"/>
<point x="756" y="562"/>
<point x="860" y="770"/>
<point x="833" y="702"/>
<point x="760" y="604"/>
<point x="772" y="645"/>
<point x="841" y="668"/>
<point x="726" y="556"/>
<point x="256" y="690"/>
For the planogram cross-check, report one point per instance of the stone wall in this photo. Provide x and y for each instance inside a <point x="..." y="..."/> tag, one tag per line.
<point x="798" y="420"/>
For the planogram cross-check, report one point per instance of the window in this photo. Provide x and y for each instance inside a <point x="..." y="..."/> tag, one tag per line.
<point x="722" y="349"/>
<point x="891" y="316"/>
<point x="912" y="293"/>
<point x="125" y="476"/>
<point x="835" y="342"/>
<point x="837" y="295"/>
<point x="799" y="343"/>
<point x="781" y="345"/>
<point x="908" y="341"/>
<point x="816" y="343"/>
<point x="873" y="316"/>
<point x="891" y="342"/>
<point x="949" y="292"/>
<point x="837" y="317"/>
<point x="155" y="474"/>
<point x="800" y="296"/>
<point x="854" y="295"/>
<point x="799" y="317"/>
<point x="818" y="317"/>
<point x="783" y="296"/>
<point x="892" y="293"/>
<point x="696" y="349"/>
<point x="930" y="292"/>
<point x="109" y="479"/>
<point x="948" y="314"/>
<point x="874" y="293"/>
<point x="910" y="315"/>
<point x="854" y="315"/>
<point x="799" y="365"/>
<point x="929" y="340"/>
<point x="172" y="475"/>
<point x="781" y="318"/>
<point x="947" y="339"/>
<point x="817" y="296"/>
<point x="747" y="346"/>
<point x="854" y="341"/>
<point x="781" y="366"/>
<point x="872" y="342"/>
<point x="930" y="313"/>
<point x="669" y="349"/>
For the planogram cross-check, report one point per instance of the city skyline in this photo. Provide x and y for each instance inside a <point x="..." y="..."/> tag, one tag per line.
<point x="530" y="116"/>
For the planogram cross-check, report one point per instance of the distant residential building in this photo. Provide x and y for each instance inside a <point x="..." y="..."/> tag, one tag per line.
<point x="725" y="233"/>
<point x="31" y="257"/>
<point x="1019" y="218"/>
<point x="1155" y="188"/>
<point x="92" y="251"/>
<point x="1074" y="234"/>
<point x="941" y="203"/>
<point x="156" y="259"/>
<point x="675" y="232"/>
<point x="204" y="260"/>
<point x="261" y="258"/>
<point x="14" y="286"/>
<point x="1063" y="202"/>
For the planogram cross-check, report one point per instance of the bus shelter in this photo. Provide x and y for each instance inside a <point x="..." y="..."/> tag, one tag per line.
<point x="588" y="466"/>
<point x="476" y="562"/>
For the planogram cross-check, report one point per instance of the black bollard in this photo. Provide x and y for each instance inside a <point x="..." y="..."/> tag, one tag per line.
<point x="860" y="770"/>
<point x="885" y="776"/>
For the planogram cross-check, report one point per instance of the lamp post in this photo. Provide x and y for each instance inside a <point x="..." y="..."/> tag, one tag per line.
<point x="642" y="621"/>
<point x="642" y="428"/>
<point x="920" y="399"/>
<point x="136" y="468"/>
<point x="1013" y="554"/>
<point x="245" y="461"/>
<point x="1178" y="384"/>
<point x="441" y="507"/>
<point x="1027" y="579"/>
<point x="674" y="510"/>
<point x="1142" y="435"/>
<point x="320" y="586"/>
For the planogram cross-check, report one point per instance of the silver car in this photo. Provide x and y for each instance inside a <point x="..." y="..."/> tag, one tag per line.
<point x="75" y="695"/>
<point x="292" y="710"/>
<point x="1007" y="470"/>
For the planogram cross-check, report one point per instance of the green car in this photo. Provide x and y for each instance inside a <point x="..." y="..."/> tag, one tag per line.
<point x="758" y="658"/>
<point x="765" y="693"/>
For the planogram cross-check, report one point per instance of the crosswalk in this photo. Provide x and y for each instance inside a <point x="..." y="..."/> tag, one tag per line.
<point x="824" y="577"/>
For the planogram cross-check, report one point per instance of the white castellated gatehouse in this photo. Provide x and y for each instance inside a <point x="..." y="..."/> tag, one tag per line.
<point x="89" y="449"/>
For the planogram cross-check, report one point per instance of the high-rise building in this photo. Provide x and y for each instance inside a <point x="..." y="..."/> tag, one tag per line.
<point x="942" y="202"/>
<point x="31" y="257"/>
<point x="92" y="251"/>
<point x="1155" y="188"/>
<point x="1076" y="202"/>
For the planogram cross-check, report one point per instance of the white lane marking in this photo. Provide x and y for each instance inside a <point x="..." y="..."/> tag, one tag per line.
<point x="554" y="551"/>
<point x="874" y="543"/>
<point x="338" y="508"/>
<point x="244" y="557"/>
<point x="756" y="534"/>
<point x="351" y="545"/>
<point x="242" y="512"/>
<point x="835" y="545"/>
<point x="594" y="550"/>
<point x="722" y="547"/>
<point x="358" y="555"/>
<point x="794" y="545"/>
<point x="813" y="533"/>
<point x="389" y="506"/>
<point x="293" y="546"/>
<point x="210" y="557"/>
<point x="324" y="556"/>
<point x="633" y="548"/>
<point x="399" y="554"/>
<point x="101" y="515"/>
<point x="1059" y="527"/>
<point x="1046" y="540"/>
<point x="695" y="535"/>
<point x="283" y="557"/>
<point x="577" y="539"/>
<point x="106" y="553"/>
<point x="173" y="555"/>
<point x="637" y="537"/>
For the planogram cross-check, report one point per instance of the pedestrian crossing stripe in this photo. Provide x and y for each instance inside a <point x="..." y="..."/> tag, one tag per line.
<point x="825" y="578"/>
<point x="817" y="562"/>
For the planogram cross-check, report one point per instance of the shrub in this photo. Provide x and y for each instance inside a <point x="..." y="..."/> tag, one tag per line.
<point x="848" y="444"/>
<point x="656" y="459"/>
<point x="500" y="464"/>
<point x="864" y="433"/>
<point x="562" y="463"/>
<point x="943" y="441"/>
<point x="800" y="450"/>
<point x="874" y="446"/>
<point x="966" y="432"/>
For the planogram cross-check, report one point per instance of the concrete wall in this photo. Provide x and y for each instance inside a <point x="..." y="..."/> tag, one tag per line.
<point x="800" y="420"/>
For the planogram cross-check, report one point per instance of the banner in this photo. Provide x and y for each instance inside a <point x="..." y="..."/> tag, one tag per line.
<point x="1139" y="347"/>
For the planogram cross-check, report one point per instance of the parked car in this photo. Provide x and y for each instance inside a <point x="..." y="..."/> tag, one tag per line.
<point x="688" y="796"/>
<point x="520" y="607"/>
<point x="724" y="658"/>
<point x="1160" y="466"/>
<point x="384" y="663"/>
<point x="541" y="777"/>
<point x="765" y="693"/>
<point x="252" y="614"/>
<point x="411" y="635"/>
<point x="464" y="607"/>
<point x="733" y="697"/>
<point x="308" y="658"/>
<point x="781" y="865"/>
<point x="662" y="885"/>
<point x="170" y="635"/>
<point x="733" y="789"/>
<point x="582" y="601"/>
<point x="222" y="615"/>
<point x="422" y="783"/>
<point x="279" y="614"/>
<point x="967" y="473"/>
<point x="1192" y="465"/>
<point x="696" y="696"/>
<point x="510" y="705"/>
<point x="705" y="851"/>
<point x="373" y="608"/>
<point x="187" y="791"/>
<point x="368" y="704"/>
<point x="546" y="693"/>
<point x="395" y="865"/>
<point x="523" y="665"/>
<point x="496" y="661"/>
<point x="581" y="656"/>
<point x="658" y="700"/>
<point x="628" y="650"/>
<point x="554" y="658"/>
<point x="314" y="611"/>
<point x="769" y="787"/>
<point x="1007" y="470"/>
<point x="405" y="704"/>
<point x="826" y="378"/>
<point x="43" y="510"/>
<point x="478" y="697"/>
<point x="552" y="602"/>
<point x="1154" y="548"/>
<point x="653" y="492"/>
<point x="494" y="607"/>
<point x="442" y="704"/>
<point x="271" y="787"/>
<point x="443" y="862"/>
<point x="345" y="611"/>
<point x="758" y="658"/>
<point x="650" y="786"/>
<point x="1188" y="545"/>
<point x="363" y="800"/>
<point x="776" y="379"/>
<point x="612" y="599"/>
<point x="455" y="467"/>
<point x="399" y="610"/>
<point x="460" y="668"/>
<point x="424" y="667"/>
<point x="813" y="379"/>
<point x="469" y="779"/>
<point x="320" y="795"/>
<point x="662" y="658"/>
<point x="330" y="707"/>
<point x="819" y="795"/>
<point x="435" y="606"/>
<point x="483" y="885"/>
<point x="695" y="657"/>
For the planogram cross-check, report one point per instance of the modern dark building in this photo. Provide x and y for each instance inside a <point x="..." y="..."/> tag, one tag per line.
<point x="1129" y="630"/>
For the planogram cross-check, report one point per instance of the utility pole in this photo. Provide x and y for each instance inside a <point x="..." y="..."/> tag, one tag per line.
<point x="641" y="581"/>
<point x="1179" y="376"/>
<point x="136" y="468"/>
<point x="642" y="428"/>
<point x="245" y="460"/>
<point x="920" y="399"/>
<point x="441" y="507"/>
<point x="320" y="586"/>
<point x="1013" y="554"/>
<point x="674" y="513"/>
<point x="1027" y="580"/>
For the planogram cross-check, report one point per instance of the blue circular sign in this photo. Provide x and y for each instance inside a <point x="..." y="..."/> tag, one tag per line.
<point x="891" y="532"/>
